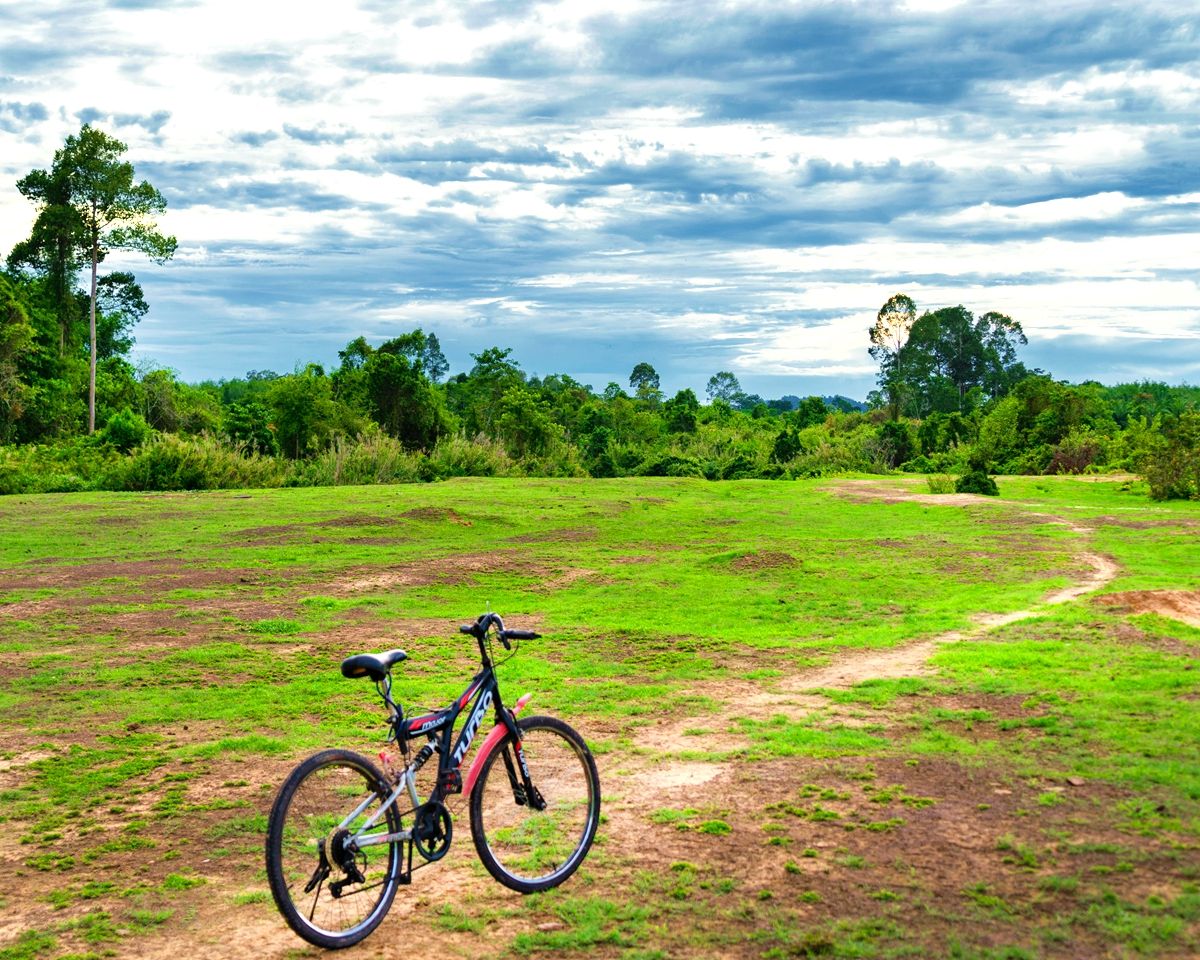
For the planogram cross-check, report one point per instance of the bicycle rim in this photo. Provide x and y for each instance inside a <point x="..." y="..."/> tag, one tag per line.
<point x="304" y="828"/>
<point x="528" y="849"/>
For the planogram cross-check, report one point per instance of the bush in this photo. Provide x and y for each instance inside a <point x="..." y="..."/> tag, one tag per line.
<point x="203" y="463"/>
<point x="125" y="430"/>
<point x="1077" y="451"/>
<point x="373" y="457"/>
<point x="942" y="483"/>
<point x="459" y="457"/>
<point x="896" y="442"/>
<point x="663" y="464"/>
<point x="977" y="481"/>
<point x="1171" y="465"/>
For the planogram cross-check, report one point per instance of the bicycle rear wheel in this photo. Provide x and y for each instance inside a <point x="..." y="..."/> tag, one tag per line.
<point x="330" y="892"/>
<point x="526" y="848"/>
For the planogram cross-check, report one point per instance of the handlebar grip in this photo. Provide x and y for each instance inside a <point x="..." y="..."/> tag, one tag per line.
<point x="467" y="628"/>
<point x="521" y="634"/>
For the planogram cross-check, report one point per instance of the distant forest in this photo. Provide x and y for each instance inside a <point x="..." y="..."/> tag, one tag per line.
<point x="953" y="399"/>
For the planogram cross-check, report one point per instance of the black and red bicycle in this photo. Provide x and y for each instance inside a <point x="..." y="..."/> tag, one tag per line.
<point x="342" y="833"/>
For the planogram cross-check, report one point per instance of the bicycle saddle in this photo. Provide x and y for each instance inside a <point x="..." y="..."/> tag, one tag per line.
<point x="373" y="665"/>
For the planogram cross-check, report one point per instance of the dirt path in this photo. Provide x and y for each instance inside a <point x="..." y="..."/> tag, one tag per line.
<point x="798" y="695"/>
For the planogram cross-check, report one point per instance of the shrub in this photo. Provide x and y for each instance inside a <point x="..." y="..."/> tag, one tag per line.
<point x="125" y="430"/>
<point x="202" y="463"/>
<point x="373" y="457"/>
<point x="1171" y="465"/>
<point x="977" y="481"/>
<point x="459" y="457"/>
<point x="896" y="442"/>
<point x="1077" y="451"/>
<point x="942" y="483"/>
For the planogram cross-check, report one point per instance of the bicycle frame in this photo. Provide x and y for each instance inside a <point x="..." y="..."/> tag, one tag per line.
<point x="438" y="726"/>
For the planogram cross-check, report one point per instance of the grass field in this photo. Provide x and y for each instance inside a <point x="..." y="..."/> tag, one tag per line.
<point x="832" y="719"/>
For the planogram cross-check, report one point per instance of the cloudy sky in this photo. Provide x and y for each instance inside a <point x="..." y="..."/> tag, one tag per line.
<point x="704" y="186"/>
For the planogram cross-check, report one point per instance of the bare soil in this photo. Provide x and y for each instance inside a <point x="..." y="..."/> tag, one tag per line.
<point x="1181" y="605"/>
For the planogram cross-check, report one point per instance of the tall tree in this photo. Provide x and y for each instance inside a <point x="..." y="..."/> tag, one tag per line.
<point x="54" y="248"/>
<point x="723" y="386"/>
<point x="952" y="360"/>
<point x="16" y="336"/>
<point x="90" y="206"/>
<point x="645" y="383"/>
<point x="892" y="325"/>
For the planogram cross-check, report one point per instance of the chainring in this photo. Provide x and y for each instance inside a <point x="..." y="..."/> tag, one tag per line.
<point x="432" y="830"/>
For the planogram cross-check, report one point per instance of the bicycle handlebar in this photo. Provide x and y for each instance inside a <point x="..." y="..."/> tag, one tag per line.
<point x="486" y="621"/>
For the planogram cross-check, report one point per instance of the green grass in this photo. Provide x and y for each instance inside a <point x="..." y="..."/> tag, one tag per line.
<point x="198" y="646"/>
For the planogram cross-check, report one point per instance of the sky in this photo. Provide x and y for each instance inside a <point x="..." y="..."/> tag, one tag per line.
<point x="702" y="186"/>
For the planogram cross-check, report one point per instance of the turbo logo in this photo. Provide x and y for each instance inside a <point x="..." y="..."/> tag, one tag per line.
<point x="472" y="727"/>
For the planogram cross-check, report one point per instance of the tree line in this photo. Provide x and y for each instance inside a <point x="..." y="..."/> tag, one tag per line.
<point x="953" y="397"/>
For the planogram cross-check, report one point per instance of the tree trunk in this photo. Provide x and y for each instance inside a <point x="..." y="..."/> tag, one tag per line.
<point x="92" y="351"/>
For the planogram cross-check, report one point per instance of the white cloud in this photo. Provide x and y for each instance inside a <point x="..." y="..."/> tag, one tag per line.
<point x="1023" y="194"/>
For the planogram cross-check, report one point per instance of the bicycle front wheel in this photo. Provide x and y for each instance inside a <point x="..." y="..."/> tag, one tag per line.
<point x="534" y="843"/>
<point x="331" y="891"/>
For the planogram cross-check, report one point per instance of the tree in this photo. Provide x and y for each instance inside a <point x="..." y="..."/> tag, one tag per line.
<point x="949" y="353"/>
<point x="475" y="396"/>
<point x="403" y="401"/>
<point x="524" y="424"/>
<point x="809" y="412"/>
<point x="120" y="304"/>
<point x="91" y="205"/>
<point x="645" y="383"/>
<point x="16" y="336"/>
<point x="644" y="376"/>
<point x="680" y="412"/>
<point x="723" y="386"/>
<point x="304" y="410"/>
<point x="55" y="244"/>
<point x="892" y="325"/>
<point x="422" y="350"/>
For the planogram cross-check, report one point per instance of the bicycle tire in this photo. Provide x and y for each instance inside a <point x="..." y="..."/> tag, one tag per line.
<point x="526" y="849"/>
<point x="318" y="795"/>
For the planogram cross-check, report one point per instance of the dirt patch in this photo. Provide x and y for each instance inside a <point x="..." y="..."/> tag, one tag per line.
<point x="875" y="490"/>
<point x="1126" y="523"/>
<point x="1104" y="570"/>
<point x="456" y="569"/>
<point x="675" y="775"/>
<point x="357" y="520"/>
<point x="163" y="573"/>
<point x="373" y="541"/>
<point x="1181" y="605"/>
<point x="568" y="577"/>
<point x="447" y="514"/>
<point x="763" y="560"/>
<point x="565" y="535"/>
<point x="909" y="660"/>
<point x="265" y="532"/>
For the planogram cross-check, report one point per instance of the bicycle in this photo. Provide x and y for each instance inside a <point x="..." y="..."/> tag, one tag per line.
<point x="339" y="845"/>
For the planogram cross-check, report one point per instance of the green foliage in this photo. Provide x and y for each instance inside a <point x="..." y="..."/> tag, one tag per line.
<point x="1171" y="465"/>
<point x="248" y="424"/>
<point x="977" y="481"/>
<point x="896" y="442"/>
<point x="16" y="337"/>
<point x="88" y="205"/>
<point x="723" y="386"/>
<point x="202" y="463"/>
<point x="125" y="430"/>
<point x="383" y="417"/>
<point x="306" y="415"/>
